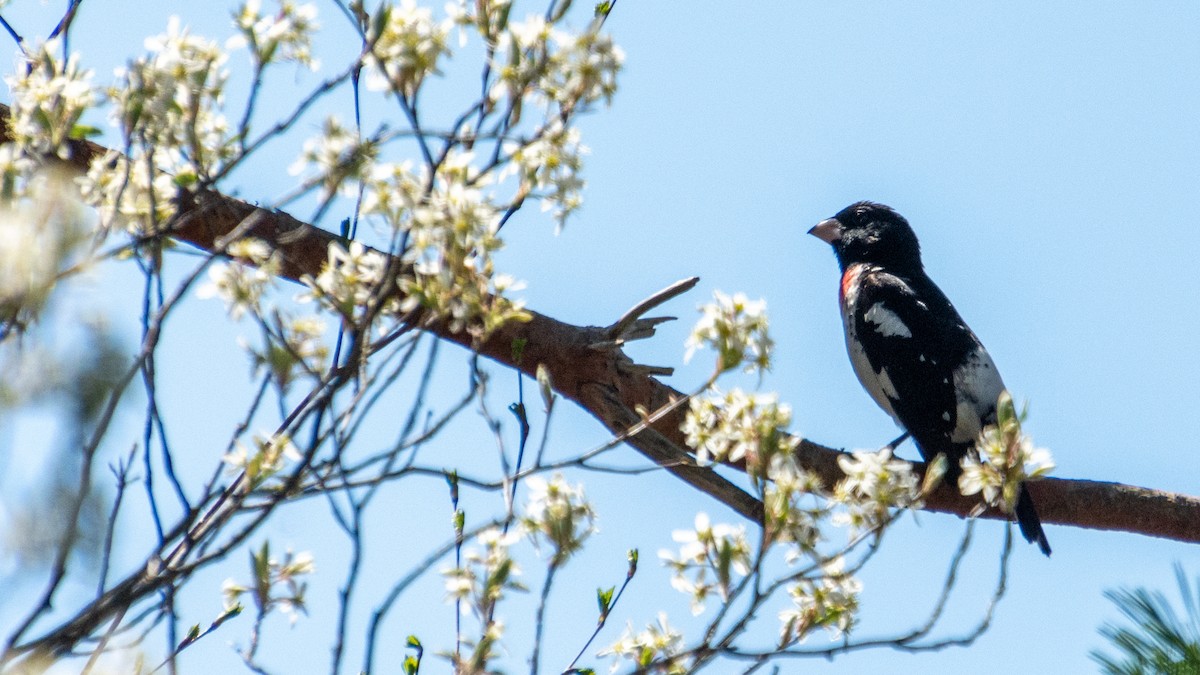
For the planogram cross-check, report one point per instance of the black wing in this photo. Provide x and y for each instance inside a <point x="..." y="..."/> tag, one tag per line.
<point x="912" y="336"/>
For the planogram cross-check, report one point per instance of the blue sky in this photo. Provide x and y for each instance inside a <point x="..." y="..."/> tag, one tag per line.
<point x="1048" y="158"/>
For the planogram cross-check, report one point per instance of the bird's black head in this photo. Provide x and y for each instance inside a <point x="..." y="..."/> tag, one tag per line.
<point x="866" y="232"/>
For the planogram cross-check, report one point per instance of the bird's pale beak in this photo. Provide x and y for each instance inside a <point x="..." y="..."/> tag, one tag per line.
<point x="828" y="230"/>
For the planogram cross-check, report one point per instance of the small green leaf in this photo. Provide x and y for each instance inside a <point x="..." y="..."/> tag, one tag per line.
<point x="1006" y="412"/>
<point x="502" y="22"/>
<point x="413" y="642"/>
<point x="604" y="599"/>
<point x="80" y="131"/>
<point x="934" y="473"/>
<point x="411" y="664"/>
<point x="518" y="349"/>
<point x="231" y="612"/>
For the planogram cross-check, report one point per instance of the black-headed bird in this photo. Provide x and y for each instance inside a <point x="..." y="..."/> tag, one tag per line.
<point x="911" y="350"/>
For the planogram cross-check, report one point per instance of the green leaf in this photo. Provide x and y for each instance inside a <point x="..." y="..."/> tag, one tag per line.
<point x="230" y="613"/>
<point x="452" y="481"/>
<point x="604" y="599"/>
<point x="81" y="131"/>
<point x="260" y="563"/>
<point x="518" y="349"/>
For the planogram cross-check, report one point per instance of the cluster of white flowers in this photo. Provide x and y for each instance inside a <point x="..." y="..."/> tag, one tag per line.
<point x="652" y="650"/>
<point x="168" y="105"/>
<point x="583" y="69"/>
<point x="292" y="342"/>
<point x="16" y="167"/>
<point x="266" y="460"/>
<point x="39" y="236"/>
<point x="392" y="192"/>
<point x="349" y="280"/>
<point x="711" y="560"/>
<point x="550" y="167"/>
<point x="558" y="513"/>
<point x="482" y="582"/>
<point x="570" y="70"/>
<point x="406" y="43"/>
<point x="303" y="347"/>
<point x="829" y="601"/>
<point x="875" y="483"/>
<point x="739" y="427"/>
<point x="451" y="238"/>
<point x="278" y="584"/>
<point x="334" y="157"/>
<point x="519" y="59"/>
<point x="736" y="328"/>
<point x="1005" y="458"/>
<point x="285" y="35"/>
<point x="794" y="504"/>
<point x="49" y="96"/>
<point x="170" y="101"/>
<point x="242" y="280"/>
<point x="132" y="194"/>
<point x="488" y="573"/>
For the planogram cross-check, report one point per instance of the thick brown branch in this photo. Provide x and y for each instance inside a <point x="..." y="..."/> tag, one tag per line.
<point x="597" y="381"/>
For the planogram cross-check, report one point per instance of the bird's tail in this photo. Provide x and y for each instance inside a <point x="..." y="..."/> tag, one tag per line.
<point x="1030" y="524"/>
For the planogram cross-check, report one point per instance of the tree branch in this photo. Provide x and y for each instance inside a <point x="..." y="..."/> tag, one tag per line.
<point x="607" y="384"/>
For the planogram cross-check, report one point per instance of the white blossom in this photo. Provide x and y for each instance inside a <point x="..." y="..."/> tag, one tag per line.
<point x="559" y="514"/>
<point x="709" y="560"/>
<point x="265" y="460"/>
<point x="794" y="504"/>
<point x="738" y="426"/>
<point x="736" y="328"/>
<point x="658" y="643"/>
<point x="241" y="281"/>
<point x="49" y="96"/>
<point x="829" y="601"/>
<point x="348" y="280"/>
<point x="169" y="104"/>
<point x="39" y="236"/>
<point x="278" y="584"/>
<point x="285" y="35"/>
<point x="487" y="573"/>
<point x="452" y="237"/>
<point x="1005" y="459"/>
<point x="584" y="70"/>
<point x="130" y="194"/>
<point x="549" y="168"/>
<point x="406" y="48"/>
<point x="334" y="157"/>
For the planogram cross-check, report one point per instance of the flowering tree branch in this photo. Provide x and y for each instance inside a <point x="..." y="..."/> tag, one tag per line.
<point x="586" y="365"/>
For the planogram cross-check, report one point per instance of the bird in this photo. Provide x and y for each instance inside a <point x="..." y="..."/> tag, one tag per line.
<point x="912" y="352"/>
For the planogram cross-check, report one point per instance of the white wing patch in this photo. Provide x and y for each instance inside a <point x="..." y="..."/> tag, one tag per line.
<point x="886" y="322"/>
<point x="977" y="386"/>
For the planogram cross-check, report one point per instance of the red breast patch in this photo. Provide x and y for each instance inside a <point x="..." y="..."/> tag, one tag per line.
<point x="849" y="279"/>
